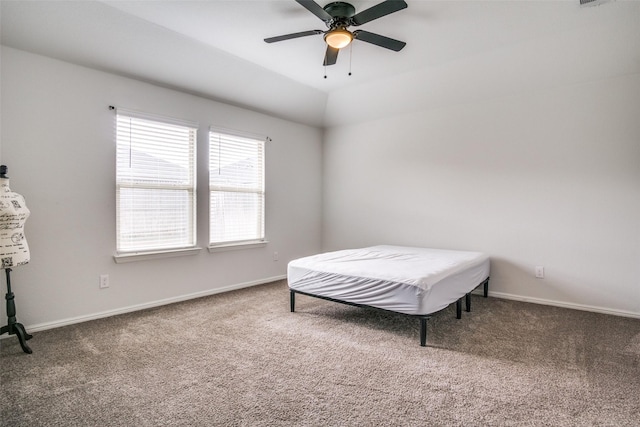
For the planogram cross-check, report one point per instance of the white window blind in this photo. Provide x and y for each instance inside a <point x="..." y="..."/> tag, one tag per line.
<point x="155" y="183"/>
<point x="236" y="188"/>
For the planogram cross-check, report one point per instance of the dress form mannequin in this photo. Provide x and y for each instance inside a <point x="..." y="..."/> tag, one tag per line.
<point x="14" y="250"/>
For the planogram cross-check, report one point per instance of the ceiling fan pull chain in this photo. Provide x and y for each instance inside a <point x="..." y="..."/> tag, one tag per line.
<point x="350" y="56"/>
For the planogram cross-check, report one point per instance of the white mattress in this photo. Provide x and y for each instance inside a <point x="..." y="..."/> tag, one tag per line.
<point x="397" y="278"/>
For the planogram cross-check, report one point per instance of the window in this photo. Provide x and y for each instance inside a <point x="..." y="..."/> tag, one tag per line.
<point x="236" y="189"/>
<point x="155" y="183"/>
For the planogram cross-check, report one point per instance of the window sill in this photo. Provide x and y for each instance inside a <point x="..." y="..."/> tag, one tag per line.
<point x="143" y="256"/>
<point x="237" y="246"/>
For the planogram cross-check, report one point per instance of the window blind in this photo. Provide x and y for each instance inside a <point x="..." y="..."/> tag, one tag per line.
<point x="236" y="188"/>
<point x="155" y="182"/>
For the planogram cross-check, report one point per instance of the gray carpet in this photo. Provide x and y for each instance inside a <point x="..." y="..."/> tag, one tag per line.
<point x="242" y="359"/>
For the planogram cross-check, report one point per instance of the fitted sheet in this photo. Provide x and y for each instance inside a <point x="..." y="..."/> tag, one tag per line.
<point x="404" y="279"/>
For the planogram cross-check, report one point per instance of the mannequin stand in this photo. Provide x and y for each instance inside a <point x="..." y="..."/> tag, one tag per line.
<point x="15" y="328"/>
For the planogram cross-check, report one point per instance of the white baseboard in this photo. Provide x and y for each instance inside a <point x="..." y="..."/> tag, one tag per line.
<point x="603" y="310"/>
<point x="137" y="307"/>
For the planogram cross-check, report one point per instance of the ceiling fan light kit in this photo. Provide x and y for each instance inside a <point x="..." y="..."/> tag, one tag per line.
<point x="338" y="17"/>
<point x="338" y="38"/>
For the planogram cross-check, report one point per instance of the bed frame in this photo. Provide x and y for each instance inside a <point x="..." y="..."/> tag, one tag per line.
<point x="422" y="317"/>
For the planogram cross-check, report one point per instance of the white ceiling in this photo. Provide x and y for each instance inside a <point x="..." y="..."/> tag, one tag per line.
<point x="456" y="51"/>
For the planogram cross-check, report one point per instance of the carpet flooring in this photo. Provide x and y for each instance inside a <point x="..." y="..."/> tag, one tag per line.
<point x="242" y="359"/>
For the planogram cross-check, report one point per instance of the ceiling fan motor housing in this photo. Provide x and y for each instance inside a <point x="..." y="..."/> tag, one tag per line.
<point x="340" y="9"/>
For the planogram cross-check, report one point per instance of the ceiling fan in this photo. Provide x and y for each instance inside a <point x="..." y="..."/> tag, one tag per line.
<point x="339" y="16"/>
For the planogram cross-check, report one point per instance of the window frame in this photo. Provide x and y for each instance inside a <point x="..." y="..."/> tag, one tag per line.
<point x="188" y="246"/>
<point x="260" y="239"/>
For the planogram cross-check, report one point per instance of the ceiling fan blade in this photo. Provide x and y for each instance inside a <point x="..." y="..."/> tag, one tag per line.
<point x="292" y="36"/>
<point x="378" y="11"/>
<point x="316" y="9"/>
<point x="331" y="56"/>
<point x="379" y="40"/>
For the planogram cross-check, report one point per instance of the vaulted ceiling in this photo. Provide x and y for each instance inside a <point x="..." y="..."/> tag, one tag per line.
<point x="457" y="51"/>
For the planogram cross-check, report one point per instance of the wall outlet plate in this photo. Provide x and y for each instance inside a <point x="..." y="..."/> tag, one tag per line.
<point x="104" y="281"/>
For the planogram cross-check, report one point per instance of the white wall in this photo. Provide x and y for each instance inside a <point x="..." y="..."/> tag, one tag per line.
<point x="58" y="142"/>
<point x="549" y="177"/>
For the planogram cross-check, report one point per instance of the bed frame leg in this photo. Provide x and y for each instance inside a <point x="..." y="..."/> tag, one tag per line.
<point x="292" y="300"/>
<point x="486" y="288"/>
<point x="467" y="298"/>
<point x="423" y="331"/>
<point x="459" y="309"/>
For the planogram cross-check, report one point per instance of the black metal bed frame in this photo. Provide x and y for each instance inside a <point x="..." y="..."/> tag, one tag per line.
<point x="422" y="317"/>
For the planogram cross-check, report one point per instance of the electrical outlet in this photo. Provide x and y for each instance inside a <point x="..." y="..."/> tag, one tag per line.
<point x="539" y="272"/>
<point x="275" y="256"/>
<point x="104" y="281"/>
